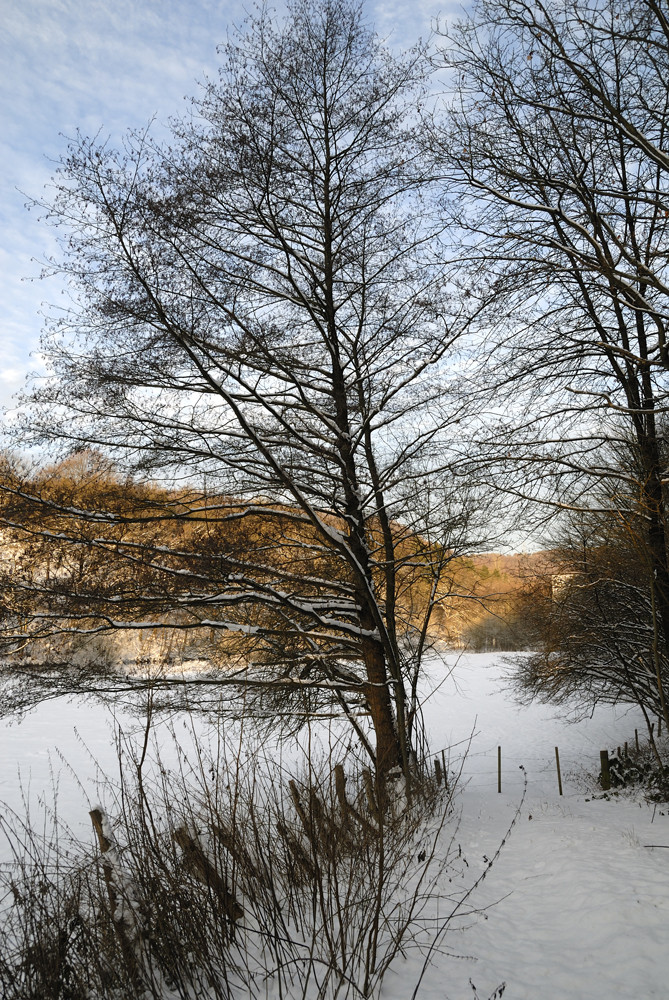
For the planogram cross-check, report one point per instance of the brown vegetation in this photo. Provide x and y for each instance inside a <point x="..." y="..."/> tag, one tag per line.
<point x="152" y="557"/>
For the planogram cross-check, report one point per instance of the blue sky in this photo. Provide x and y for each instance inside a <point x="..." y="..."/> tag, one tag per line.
<point x="96" y="66"/>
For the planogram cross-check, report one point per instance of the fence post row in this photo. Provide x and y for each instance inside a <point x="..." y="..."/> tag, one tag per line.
<point x="441" y="774"/>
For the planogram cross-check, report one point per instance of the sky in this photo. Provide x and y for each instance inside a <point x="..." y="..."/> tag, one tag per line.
<point x="102" y="67"/>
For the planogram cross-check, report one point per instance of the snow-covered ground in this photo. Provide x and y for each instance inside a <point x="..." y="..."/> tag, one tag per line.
<point x="576" y="905"/>
<point x="583" y="903"/>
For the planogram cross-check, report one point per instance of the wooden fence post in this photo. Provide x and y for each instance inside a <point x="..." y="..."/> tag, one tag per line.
<point x="499" y="769"/>
<point x="606" y="774"/>
<point x="636" y="738"/>
<point x="437" y="770"/>
<point x="199" y="865"/>
<point x="368" y="783"/>
<point x="557" y="763"/>
<point x="340" y="789"/>
<point x="115" y="899"/>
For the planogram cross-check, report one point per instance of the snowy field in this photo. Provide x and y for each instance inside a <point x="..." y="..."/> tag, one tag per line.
<point x="576" y="905"/>
<point x="583" y="904"/>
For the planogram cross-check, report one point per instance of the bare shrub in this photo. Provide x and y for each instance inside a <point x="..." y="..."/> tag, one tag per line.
<point x="218" y="880"/>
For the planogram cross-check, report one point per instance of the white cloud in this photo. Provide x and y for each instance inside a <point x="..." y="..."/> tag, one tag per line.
<point x="90" y="64"/>
<point x="100" y="65"/>
<point x="403" y="23"/>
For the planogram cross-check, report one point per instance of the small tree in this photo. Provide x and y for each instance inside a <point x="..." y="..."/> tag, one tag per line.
<point x="599" y="634"/>
<point x="261" y="312"/>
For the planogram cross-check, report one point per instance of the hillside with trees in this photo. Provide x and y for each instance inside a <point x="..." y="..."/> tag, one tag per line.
<point x="164" y="575"/>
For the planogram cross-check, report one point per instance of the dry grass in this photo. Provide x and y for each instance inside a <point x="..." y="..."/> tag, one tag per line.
<point x="230" y="878"/>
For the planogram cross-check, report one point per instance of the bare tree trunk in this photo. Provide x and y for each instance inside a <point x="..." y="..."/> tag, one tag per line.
<point x="377" y="690"/>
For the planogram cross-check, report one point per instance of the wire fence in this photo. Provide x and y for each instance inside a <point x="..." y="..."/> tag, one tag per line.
<point x="588" y="761"/>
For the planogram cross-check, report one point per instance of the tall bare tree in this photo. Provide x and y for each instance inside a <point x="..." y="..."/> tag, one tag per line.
<point x="261" y="306"/>
<point x="555" y="152"/>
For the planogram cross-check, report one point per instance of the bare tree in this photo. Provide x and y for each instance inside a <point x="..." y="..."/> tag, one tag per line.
<point x="261" y="314"/>
<point x="555" y="149"/>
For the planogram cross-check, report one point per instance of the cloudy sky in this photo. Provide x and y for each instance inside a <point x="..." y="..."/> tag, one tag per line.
<point x="101" y="65"/>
